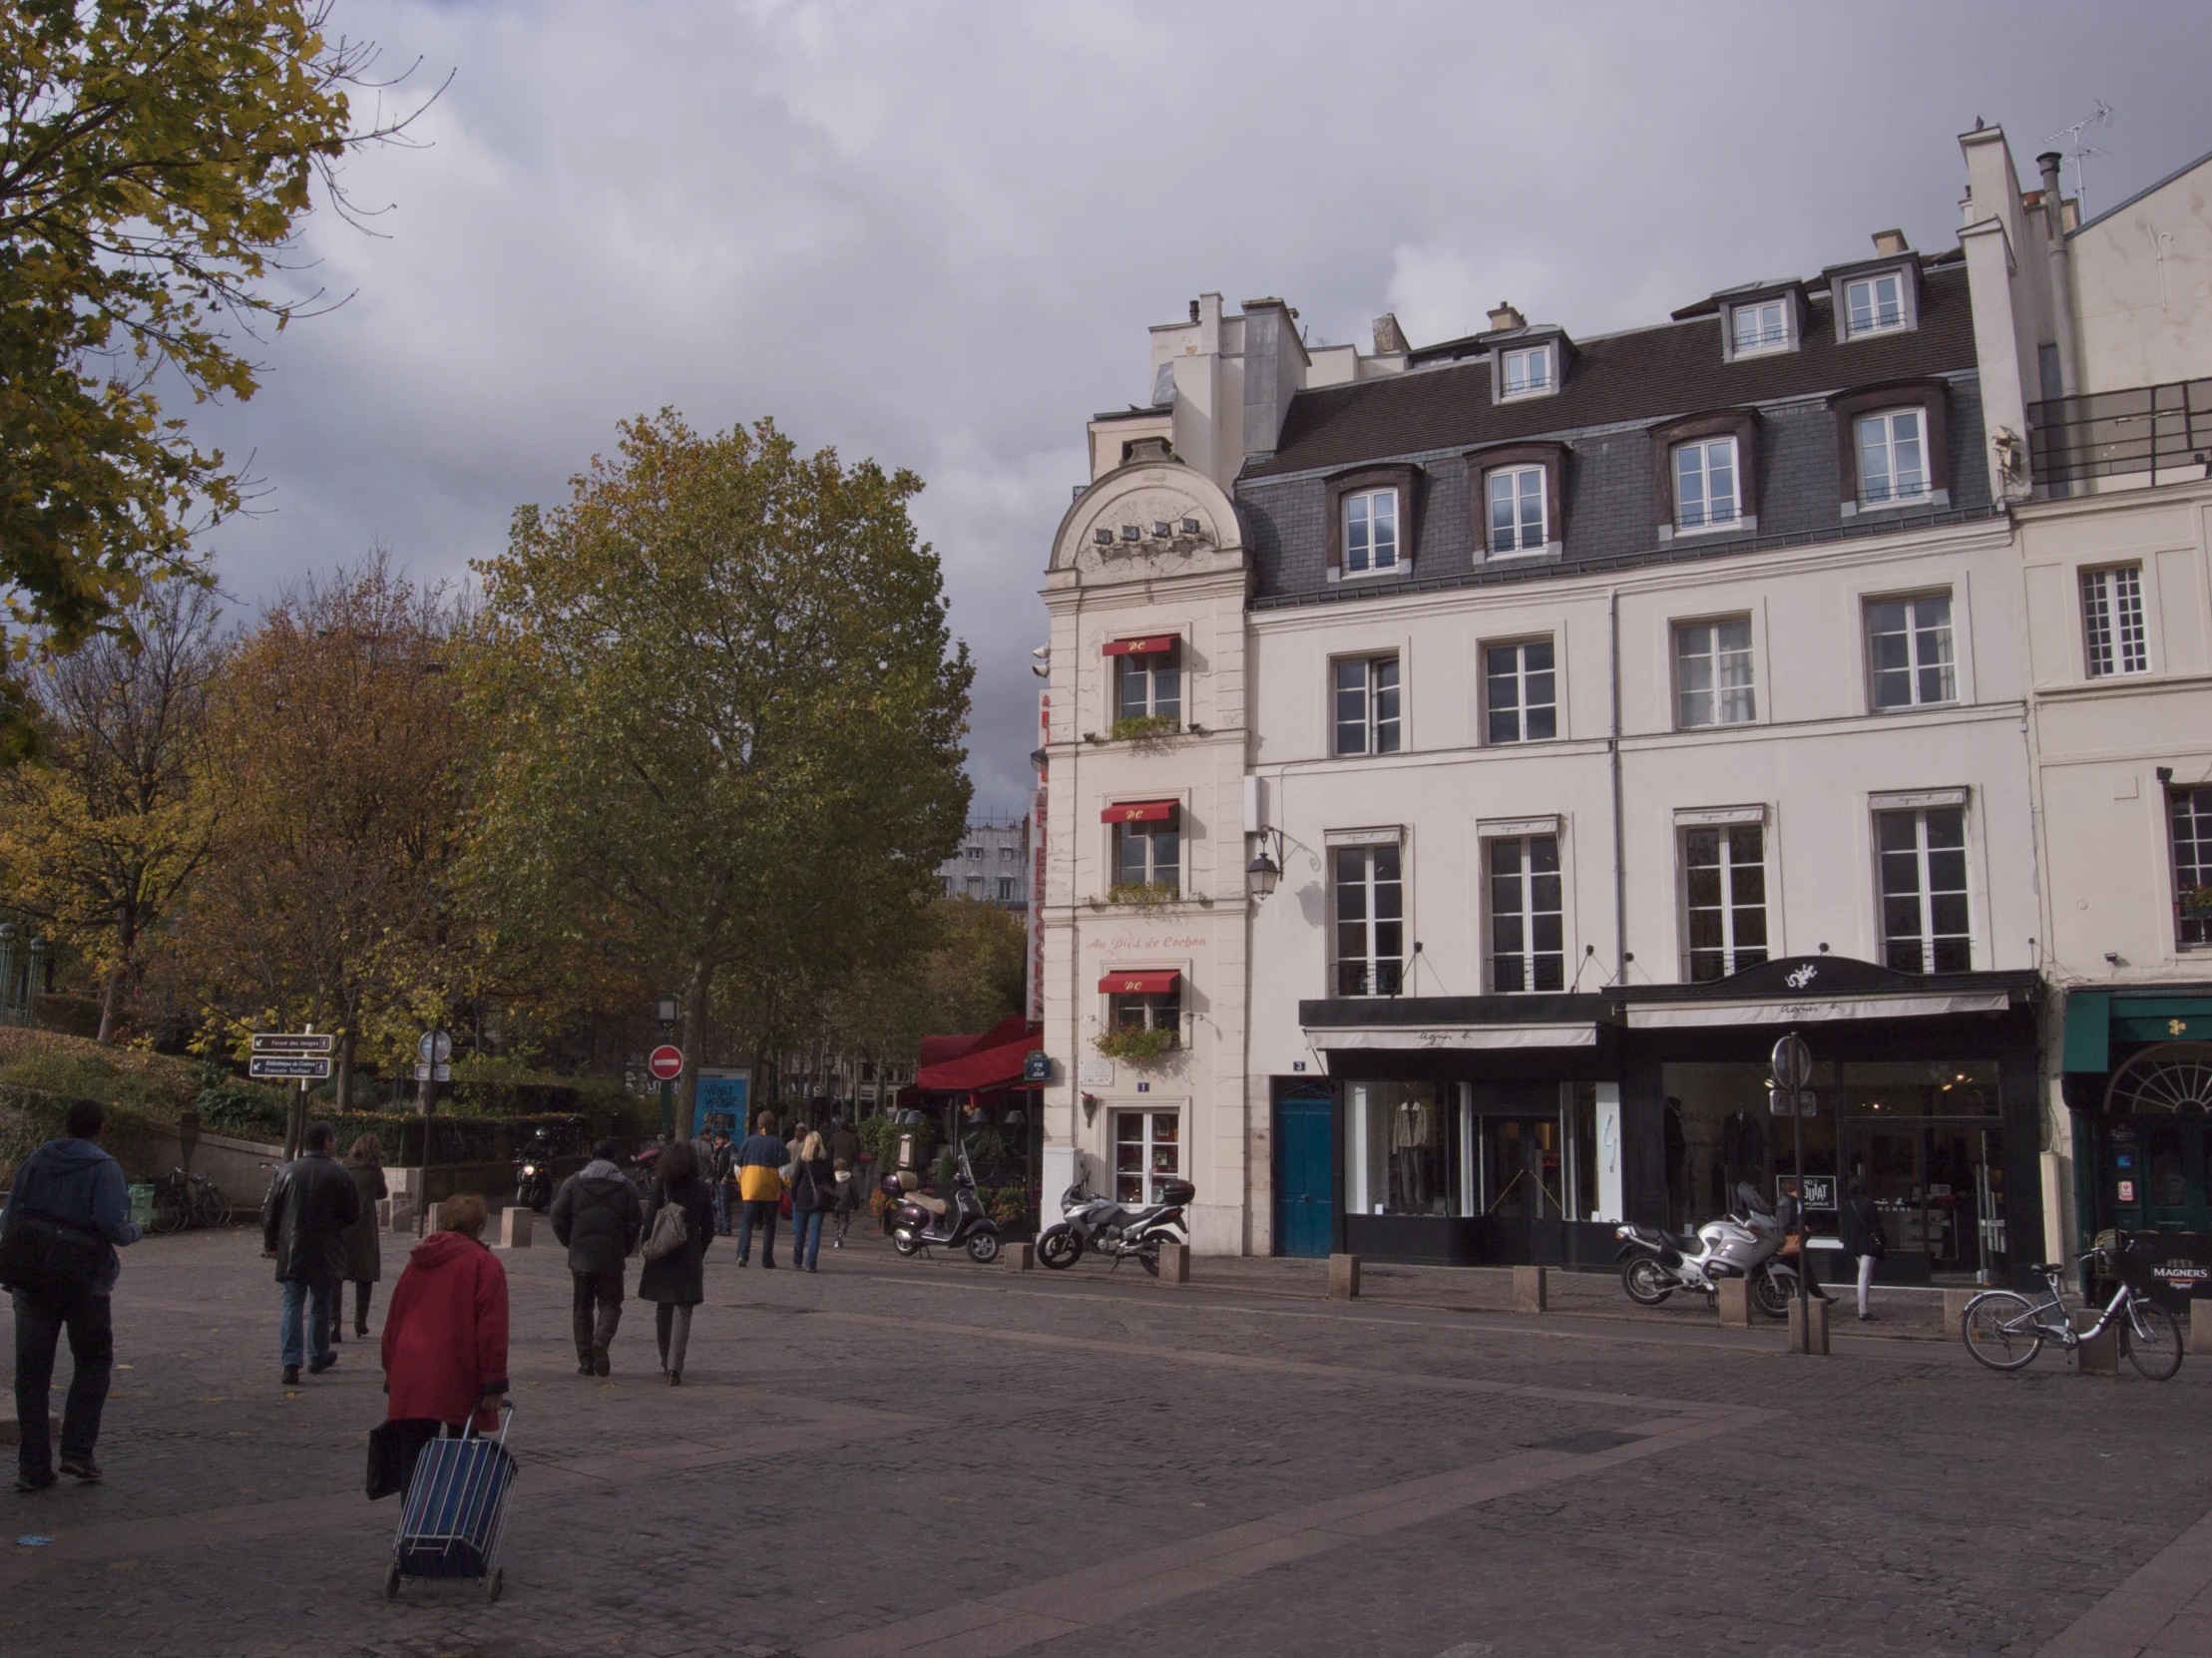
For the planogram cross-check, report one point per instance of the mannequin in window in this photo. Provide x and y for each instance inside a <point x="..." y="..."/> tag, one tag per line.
<point x="1412" y="1154"/>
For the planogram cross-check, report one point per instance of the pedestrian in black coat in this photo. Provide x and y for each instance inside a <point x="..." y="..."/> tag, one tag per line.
<point x="305" y="1218"/>
<point x="1860" y="1226"/>
<point x="597" y="1217"/>
<point x="677" y="1281"/>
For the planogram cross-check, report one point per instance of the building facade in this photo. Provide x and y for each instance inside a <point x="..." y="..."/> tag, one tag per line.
<point x="1553" y="724"/>
<point x="992" y="865"/>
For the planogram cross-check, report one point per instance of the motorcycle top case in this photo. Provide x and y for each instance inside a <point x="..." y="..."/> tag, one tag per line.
<point x="1176" y="1191"/>
<point x="454" y="1508"/>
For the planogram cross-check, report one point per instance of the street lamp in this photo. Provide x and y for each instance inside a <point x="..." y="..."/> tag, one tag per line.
<point x="665" y="1011"/>
<point x="1261" y="874"/>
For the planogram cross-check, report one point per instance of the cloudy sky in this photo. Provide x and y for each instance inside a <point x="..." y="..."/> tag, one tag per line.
<point x="935" y="233"/>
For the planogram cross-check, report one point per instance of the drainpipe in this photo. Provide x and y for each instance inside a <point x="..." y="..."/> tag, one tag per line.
<point x="1612" y="749"/>
<point x="2061" y="274"/>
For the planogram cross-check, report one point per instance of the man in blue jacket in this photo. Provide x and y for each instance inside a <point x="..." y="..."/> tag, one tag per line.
<point x="73" y="1181"/>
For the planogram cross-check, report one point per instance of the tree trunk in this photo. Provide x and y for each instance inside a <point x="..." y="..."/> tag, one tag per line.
<point x="111" y="1005"/>
<point x="342" y="1100"/>
<point x="694" y="1036"/>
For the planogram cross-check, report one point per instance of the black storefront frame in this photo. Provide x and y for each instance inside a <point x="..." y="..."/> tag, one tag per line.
<point x="1632" y="1054"/>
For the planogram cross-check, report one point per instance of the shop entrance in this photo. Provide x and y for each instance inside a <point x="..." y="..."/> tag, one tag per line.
<point x="2159" y="1139"/>
<point x="1305" y="1184"/>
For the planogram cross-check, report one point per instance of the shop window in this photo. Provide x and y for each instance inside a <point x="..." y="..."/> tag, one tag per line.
<point x="1365" y="692"/>
<point x="2112" y="620"/>
<point x="1402" y="1156"/>
<point x="1528" y="949"/>
<point x="1520" y="692"/>
<point x="1369" y="921"/>
<point x="1909" y="651"/>
<point x="1149" y="855"/>
<point x="1147" y="1152"/>
<point x="1148" y="688"/>
<point x="2190" y="813"/>
<point x="1924" y="890"/>
<point x="1724" y="895"/>
<point x="1713" y="674"/>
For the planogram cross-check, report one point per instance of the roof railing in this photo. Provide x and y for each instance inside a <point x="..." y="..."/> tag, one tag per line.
<point x="2160" y="433"/>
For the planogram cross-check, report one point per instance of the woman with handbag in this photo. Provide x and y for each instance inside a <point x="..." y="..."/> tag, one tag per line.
<point x="813" y="1191"/>
<point x="678" y="1225"/>
<point x="1860" y="1230"/>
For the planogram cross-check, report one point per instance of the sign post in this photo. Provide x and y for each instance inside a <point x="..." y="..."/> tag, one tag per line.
<point x="290" y="1056"/>
<point x="1793" y="1075"/>
<point x="667" y="1064"/>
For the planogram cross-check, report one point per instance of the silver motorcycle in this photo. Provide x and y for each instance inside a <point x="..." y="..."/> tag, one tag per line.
<point x="1103" y="1225"/>
<point x="1745" y="1243"/>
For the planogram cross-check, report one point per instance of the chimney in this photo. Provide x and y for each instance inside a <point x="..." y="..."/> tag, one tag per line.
<point x="1504" y="316"/>
<point x="1390" y="340"/>
<point x="1889" y="242"/>
<point x="2048" y="164"/>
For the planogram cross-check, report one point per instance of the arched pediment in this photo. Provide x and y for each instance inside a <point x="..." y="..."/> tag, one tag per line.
<point x="1148" y="521"/>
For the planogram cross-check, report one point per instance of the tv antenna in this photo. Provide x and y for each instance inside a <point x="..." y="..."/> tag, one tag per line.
<point x="2081" y="150"/>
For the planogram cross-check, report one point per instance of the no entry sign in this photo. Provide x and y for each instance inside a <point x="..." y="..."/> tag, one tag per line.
<point x="666" y="1062"/>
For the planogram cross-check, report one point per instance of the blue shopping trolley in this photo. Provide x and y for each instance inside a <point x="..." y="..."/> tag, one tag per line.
<point x="455" y="1509"/>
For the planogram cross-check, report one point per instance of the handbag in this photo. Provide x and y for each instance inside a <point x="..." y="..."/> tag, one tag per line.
<point x="392" y="1450"/>
<point x="43" y="1256"/>
<point x="669" y="1231"/>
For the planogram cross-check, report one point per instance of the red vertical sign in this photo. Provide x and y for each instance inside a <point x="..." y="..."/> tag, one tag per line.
<point x="1035" y="973"/>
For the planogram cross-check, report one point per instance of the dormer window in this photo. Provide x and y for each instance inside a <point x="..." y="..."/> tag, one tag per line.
<point x="1372" y="522"/>
<point x="1873" y="304"/>
<point x="1524" y="371"/>
<point x="1370" y="532"/>
<point x="1764" y="326"/>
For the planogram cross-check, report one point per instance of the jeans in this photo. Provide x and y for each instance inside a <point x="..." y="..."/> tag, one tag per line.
<point x="806" y="1237"/>
<point x="600" y="1293"/>
<point x="673" y="1323"/>
<point x="38" y="1324"/>
<point x="763" y="1213"/>
<point x="1865" y="1278"/>
<point x="320" y="1300"/>
<point x="722" y="1209"/>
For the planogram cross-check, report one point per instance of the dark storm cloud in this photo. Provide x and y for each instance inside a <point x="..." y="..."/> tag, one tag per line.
<point x="935" y="234"/>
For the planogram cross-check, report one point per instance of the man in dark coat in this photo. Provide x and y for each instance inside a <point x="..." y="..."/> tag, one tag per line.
<point x="310" y="1205"/>
<point x="722" y="1174"/>
<point x="597" y="1218"/>
<point x="843" y="1142"/>
<point x="71" y="1181"/>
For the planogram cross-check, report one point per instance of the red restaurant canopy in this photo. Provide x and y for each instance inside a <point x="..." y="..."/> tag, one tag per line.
<point x="1139" y="811"/>
<point x="1153" y="644"/>
<point x="990" y="1060"/>
<point x="1138" y="983"/>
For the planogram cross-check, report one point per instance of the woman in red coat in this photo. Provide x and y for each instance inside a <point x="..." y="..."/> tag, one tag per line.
<point x="445" y="1335"/>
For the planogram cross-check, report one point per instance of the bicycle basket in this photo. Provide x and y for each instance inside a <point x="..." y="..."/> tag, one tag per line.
<point x="2128" y="1259"/>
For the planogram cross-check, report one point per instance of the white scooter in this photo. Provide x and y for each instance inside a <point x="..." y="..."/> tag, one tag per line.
<point x="1746" y="1243"/>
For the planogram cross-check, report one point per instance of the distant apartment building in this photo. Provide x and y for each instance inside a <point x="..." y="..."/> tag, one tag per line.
<point x="992" y="866"/>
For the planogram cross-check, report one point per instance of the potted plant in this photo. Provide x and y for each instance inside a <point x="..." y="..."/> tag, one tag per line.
<point x="1146" y="727"/>
<point x="1143" y="894"/>
<point x="1140" y="1045"/>
<point x="2194" y="903"/>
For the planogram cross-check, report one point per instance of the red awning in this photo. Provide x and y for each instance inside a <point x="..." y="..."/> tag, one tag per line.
<point x="990" y="1060"/>
<point x="1139" y="811"/>
<point x="1152" y="645"/>
<point x="1138" y="983"/>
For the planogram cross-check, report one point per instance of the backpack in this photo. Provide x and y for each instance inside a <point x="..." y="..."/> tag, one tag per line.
<point x="669" y="1231"/>
<point x="42" y="1256"/>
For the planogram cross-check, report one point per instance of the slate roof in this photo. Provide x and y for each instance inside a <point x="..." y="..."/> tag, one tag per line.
<point x="1649" y="374"/>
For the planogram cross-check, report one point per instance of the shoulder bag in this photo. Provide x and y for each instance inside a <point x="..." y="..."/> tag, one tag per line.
<point x="669" y="1231"/>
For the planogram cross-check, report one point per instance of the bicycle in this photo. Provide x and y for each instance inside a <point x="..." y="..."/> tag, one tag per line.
<point x="2005" y="1330"/>
<point x="183" y="1201"/>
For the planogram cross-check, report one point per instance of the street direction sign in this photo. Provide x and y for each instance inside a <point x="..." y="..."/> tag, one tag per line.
<point x="293" y="1042"/>
<point x="666" y="1062"/>
<point x="433" y="1073"/>
<point x="436" y="1048"/>
<point x="1794" y="1103"/>
<point x="267" y="1066"/>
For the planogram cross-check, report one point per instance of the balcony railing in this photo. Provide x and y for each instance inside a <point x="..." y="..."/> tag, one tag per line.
<point x="2160" y="433"/>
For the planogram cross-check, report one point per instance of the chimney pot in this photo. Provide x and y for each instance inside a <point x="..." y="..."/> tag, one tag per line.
<point x="1195" y="310"/>
<point x="1889" y="242"/>
<point x="1390" y="340"/>
<point x="1504" y="316"/>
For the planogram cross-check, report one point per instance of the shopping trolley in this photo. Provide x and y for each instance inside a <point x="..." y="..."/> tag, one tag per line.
<point x="455" y="1509"/>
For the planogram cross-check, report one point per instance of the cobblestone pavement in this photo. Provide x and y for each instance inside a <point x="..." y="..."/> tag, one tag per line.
<point x="930" y="1457"/>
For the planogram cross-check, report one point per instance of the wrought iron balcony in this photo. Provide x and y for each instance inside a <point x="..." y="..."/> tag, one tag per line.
<point x="2161" y="433"/>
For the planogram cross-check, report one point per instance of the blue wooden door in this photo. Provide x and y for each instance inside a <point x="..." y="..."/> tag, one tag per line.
<point x="1304" y="1189"/>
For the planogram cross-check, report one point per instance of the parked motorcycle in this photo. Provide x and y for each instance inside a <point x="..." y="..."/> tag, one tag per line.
<point x="534" y="1174"/>
<point x="917" y="1221"/>
<point x="1101" y="1224"/>
<point x="1745" y="1243"/>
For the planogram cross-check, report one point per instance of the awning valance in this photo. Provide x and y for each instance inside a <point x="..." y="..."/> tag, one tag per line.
<point x="1677" y="1015"/>
<point x="1151" y="644"/>
<point x="1138" y="983"/>
<point x="1429" y="1038"/>
<point x="992" y="1060"/>
<point x="1139" y="811"/>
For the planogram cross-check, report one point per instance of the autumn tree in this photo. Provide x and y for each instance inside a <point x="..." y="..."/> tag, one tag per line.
<point x="335" y="736"/>
<point x="967" y="978"/>
<point x="728" y="714"/>
<point x="103" y="834"/>
<point x="156" y="157"/>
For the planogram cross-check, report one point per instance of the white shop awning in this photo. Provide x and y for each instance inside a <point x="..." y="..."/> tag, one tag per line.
<point x="1414" y="1038"/>
<point x="1675" y="1015"/>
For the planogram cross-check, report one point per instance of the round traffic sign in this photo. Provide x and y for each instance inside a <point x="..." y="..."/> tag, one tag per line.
<point x="666" y="1062"/>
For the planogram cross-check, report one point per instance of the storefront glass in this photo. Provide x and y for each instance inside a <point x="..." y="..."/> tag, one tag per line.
<point x="1404" y="1154"/>
<point x="1147" y="1150"/>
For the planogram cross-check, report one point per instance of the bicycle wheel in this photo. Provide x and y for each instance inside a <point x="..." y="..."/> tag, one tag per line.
<point x="2000" y="1328"/>
<point x="172" y="1210"/>
<point x="2152" y="1337"/>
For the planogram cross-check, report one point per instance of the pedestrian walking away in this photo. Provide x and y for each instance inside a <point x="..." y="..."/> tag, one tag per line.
<point x="597" y="1217"/>
<point x="1860" y="1226"/>
<point x="305" y="1218"/>
<point x="67" y="1211"/>
<point x="759" y="1188"/>
<point x="364" y="1260"/>
<point x="843" y="1142"/>
<point x="675" y="1280"/>
<point x="445" y="1333"/>
<point x="814" y="1190"/>
<point x="845" y="1202"/>
<point x="722" y="1174"/>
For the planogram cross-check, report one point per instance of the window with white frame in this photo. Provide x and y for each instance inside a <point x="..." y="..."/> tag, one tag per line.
<point x="1370" y="532"/>
<point x="1705" y="492"/>
<point x="1152" y="1011"/>
<point x="1527" y="935"/>
<point x="1724" y="898"/>
<point x="1527" y="370"/>
<point x="1893" y="457"/>
<point x="1010" y="854"/>
<point x="1147" y="1153"/>
<point x="1712" y="674"/>
<point x="1909" y="660"/>
<point x="1147" y="854"/>
<point x="1149" y="687"/>
<point x="2189" y="811"/>
<point x="1520" y="692"/>
<point x="973" y="853"/>
<point x="1006" y="889"/>
<point x="1872" y="303"/>
<point x="1365" y="694"/>
<point x="975" y="886"/>
<point x="1517" y="521"/>
<point x="1760" y="327"/>
<point x="1924" y="890"/>
<point x="2112" y="620"/>
<point x="1370" y="920"/>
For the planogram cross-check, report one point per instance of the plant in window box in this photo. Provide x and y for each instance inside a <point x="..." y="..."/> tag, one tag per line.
<point x="1143" y="894"/>
<point x="2194" y="902"/>
<point x="1138" y="1044"/>
<point x="1145" y="728"/>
